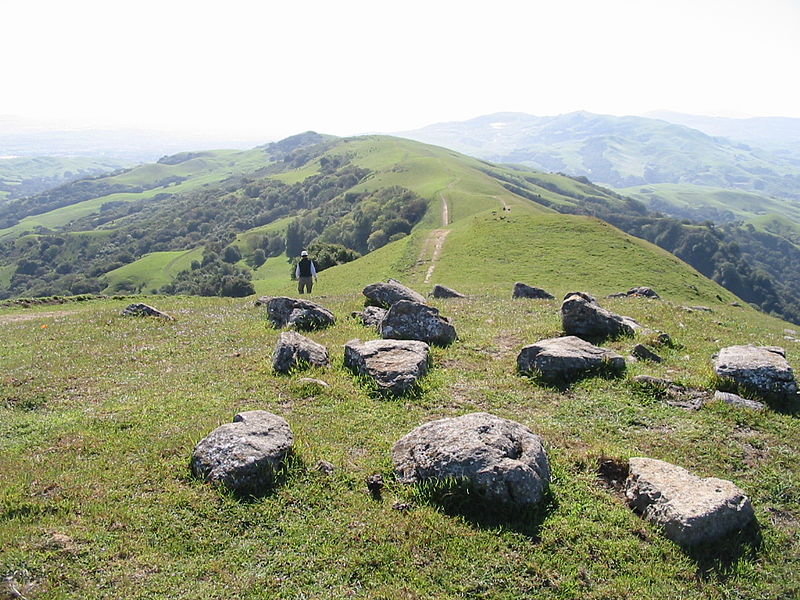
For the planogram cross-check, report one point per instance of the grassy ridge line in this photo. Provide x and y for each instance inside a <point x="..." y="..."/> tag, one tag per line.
<point x="151" y="271"/>
<point x="95" y="447"/>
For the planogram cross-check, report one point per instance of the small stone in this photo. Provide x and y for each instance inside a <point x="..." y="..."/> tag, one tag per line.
<point x="736" y="400"/>
<point x="642" y="352"/>
<point x="294" y="351"/>
<point x="375" y="485"/>
<point x="407" y="320"/>
<point x="145" y="310"/>
<point x="394" y="365"/>
<point x="323" y="466"/>
<point x="313" y="381"/>
<point x="440" y="291"/>
<point x="244" y="456"/>
<point x="500" y="461"/>
<point x="523" y="290"/>
<point x="384" y="294"/>
<point x="690" y="509"/>
<point x="565" y="359"/>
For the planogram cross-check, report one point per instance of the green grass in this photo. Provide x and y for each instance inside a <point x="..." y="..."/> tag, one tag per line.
<point x="150" y="272"/>
<point x="96" y="447"/>
<point x="5" y="275"/>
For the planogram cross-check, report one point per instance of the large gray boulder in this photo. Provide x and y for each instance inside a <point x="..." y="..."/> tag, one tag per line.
<point x="300" y="314"/>
<point x="394" y="365"/>
<point x="581" y="315"/>
<point x="565" y="359"/>
<point x="384" y="294"/>
<point x="690" y="509"/>
<point x="295" y="351"/>
<point x="407" y="320"/>
<point x="762" y="370"/>
<point x="244" y="456"/>
<point x="523" y="290"/>
<point x="500" y="461"/>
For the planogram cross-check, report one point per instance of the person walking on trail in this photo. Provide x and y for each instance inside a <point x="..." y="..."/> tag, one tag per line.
<point x="306" y="273"/>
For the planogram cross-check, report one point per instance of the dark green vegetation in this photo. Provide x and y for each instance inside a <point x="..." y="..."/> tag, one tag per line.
<point x="26" y="176"/>
<point x="99" y="415"/>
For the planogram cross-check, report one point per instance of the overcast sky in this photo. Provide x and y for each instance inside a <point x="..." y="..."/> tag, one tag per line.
<point x="348" y="67"/>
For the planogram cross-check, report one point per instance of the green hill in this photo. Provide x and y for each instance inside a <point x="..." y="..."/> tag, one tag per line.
<point x="619" y="151"/>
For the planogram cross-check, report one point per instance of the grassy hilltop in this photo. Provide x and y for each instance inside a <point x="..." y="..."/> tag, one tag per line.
<point x="100" y="413"/>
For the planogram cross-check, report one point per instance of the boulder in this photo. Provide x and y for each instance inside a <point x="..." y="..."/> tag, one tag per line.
<point x="144" y="310"/>
<point x="385" y="294"/>
<point x="522" y="290"/>
<point x="762" y="370"/>
<point x="581" y="315"/>
<point x="300" y="314"/>
<point x="690" y="509"/>
<point x="440" y="291"/>
<point x="642" y="352"/>
<point x="736" y="400"/>
<point x="637" y="292"/>
<point x="414" y="321"/>
<point x="371" y="316"/>
<point x="500" y="461"/>
<point x="394" y="365"/>
<point x="244" y="456"/>
<point x="565" y="359"/>
<point x="296" y="351"/>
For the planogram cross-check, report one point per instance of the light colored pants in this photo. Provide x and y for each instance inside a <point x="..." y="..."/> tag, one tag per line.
<point x="305" y="282"/>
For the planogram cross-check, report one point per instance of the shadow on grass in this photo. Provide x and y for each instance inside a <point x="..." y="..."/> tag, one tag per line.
<point x="718" y="559"/>
<point x="457" y="499"/>
<point x="264" y="483"/>
<point x="561" y="385"/>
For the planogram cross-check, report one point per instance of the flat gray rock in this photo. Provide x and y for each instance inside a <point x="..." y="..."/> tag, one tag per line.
<point x="690" y="509"/>
<point x="523" y="290"/>
<point x="407" y="320"/>
<point x="394" y="365"/>
<point x="145" y="310"/>
<point x="300" y="314"/>
<point x="294" y="351"/>
<point x="565" y="359"/>
<point x="762" y="370"/>
<point x="440" y="291"/>
<point x="501" y="461"/>
<point x="384" y="294"/>
<point x="642" y="352"/>
<point x="736" y="400"/>
<point x="246" y="455"/>
<point x="581" y="315"/>
<point x="371" y="316"/>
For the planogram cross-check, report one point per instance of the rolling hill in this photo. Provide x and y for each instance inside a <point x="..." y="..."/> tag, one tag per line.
<point x="619" y="151"/>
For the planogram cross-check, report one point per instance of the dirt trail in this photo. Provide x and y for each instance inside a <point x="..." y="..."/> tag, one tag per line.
<point x="432" y="247"/>
<point x="16" y="317"/>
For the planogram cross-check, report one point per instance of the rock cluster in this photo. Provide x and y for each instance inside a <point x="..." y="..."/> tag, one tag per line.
<point x="407" y="320"/>
<point x="300" y="314"/>
<point x="565" y="359"/>
<point x="371" y="316"/>
<point x="690" y="509"/>
<point x="762" y="370"/>
<point x="394" y="365"/>
<point x="522" y="290"/>
<point x="384" y="294"/>
<point x="244" y="456"/>
<point x="582" y="316"/>
<point x="295" y="351"/>
<point x="637" y="292"/>
<point x="500" y="461"/>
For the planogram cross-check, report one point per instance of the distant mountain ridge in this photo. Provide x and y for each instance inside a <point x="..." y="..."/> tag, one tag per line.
<point x="619" y="151"/>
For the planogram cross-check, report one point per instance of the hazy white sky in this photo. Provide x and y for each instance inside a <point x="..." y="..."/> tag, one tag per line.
<point x="277" y="68"/>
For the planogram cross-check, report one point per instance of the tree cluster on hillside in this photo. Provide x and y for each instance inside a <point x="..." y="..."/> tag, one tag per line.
<point x="74" y="261"/>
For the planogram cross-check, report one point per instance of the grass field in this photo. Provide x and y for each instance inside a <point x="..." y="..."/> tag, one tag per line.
<point x="97" y="500"/>
<point x="151" y="271"/>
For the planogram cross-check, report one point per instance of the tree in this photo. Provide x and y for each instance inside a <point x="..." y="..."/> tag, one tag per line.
<point x="294" y="238"/>
<point x="231" y="254"/>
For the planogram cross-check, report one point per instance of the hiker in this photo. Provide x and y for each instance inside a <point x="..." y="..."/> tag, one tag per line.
<point x="305" y="272"/>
